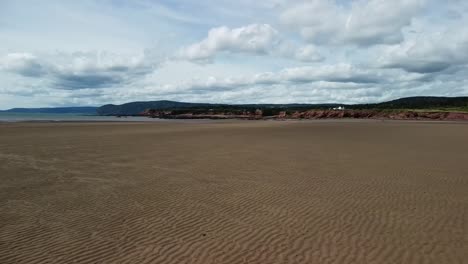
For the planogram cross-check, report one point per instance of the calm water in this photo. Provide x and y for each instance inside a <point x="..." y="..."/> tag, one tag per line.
<point x="19" y="117"/>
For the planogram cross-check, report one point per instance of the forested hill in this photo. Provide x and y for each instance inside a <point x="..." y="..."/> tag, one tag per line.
<point x="420" y="102"/>
<point x="135" y="108"/>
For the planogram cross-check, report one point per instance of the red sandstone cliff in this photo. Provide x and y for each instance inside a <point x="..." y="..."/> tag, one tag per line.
<point x="318" y="114"/>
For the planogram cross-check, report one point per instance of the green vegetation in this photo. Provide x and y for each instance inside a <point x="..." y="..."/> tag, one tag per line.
<point x="432" y="104"/>
<point x="425" y="103"/>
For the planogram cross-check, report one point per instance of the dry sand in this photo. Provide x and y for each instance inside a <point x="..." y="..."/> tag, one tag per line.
<point x="234" y="192"/>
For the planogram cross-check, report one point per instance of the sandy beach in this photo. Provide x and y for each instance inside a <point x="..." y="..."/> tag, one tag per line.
<point x="234" y="192"/>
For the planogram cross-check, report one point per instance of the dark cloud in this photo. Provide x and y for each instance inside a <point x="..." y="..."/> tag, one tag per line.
<point x="77" y="71"/>
<point x="32" y="69"/>
<point x="339" y="73"/>
<point x="355" y="79"/>
<point x="85" y="80"/>
<point x="23" y="64"/>
<point x="99" y="78"/>
<point x="421" y="66"/>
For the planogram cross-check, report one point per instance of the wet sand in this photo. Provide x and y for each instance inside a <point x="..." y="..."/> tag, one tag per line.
<point x="234" y="192"/>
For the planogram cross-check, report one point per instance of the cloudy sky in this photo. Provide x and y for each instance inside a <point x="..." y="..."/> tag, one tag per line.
<point x="69" y="53"/>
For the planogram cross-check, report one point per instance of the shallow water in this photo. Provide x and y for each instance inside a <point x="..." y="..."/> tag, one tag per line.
<point x="21" y="117"/>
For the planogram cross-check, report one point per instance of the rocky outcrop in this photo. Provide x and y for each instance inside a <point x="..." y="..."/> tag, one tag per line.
<point x="375" y="114"/>
<point x="313" y="114"/>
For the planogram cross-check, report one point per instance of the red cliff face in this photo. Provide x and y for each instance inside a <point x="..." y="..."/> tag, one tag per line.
<point x="317" y="114"/>
<point x="457" y="116"/>
<point x="373" y="114"/>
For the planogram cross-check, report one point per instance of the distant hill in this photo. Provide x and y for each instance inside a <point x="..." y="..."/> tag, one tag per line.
<point x="419" y="102"/>
<point x="135" y="108"/>
<point x="54" y="110"/>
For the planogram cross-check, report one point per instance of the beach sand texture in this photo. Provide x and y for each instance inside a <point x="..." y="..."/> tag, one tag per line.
<point x="234" y="192"/>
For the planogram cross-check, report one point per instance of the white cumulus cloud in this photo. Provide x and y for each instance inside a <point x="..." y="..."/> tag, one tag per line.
<point x="253" y="39"/>
<point x="365" y="22"/>
<point x="428" y="53"/>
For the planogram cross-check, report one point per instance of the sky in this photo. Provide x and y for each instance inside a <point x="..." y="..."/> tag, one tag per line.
<point x="89" y="53"/>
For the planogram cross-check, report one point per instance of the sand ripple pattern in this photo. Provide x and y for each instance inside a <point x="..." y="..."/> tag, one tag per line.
<point x="241" y="192"/>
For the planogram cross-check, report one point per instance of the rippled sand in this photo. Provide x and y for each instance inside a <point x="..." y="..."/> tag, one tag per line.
<point x="234" y="192"/>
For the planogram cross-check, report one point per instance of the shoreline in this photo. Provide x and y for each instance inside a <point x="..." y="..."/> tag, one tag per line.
<point x="232" y="120"/>
<point x="259" y="115"/>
